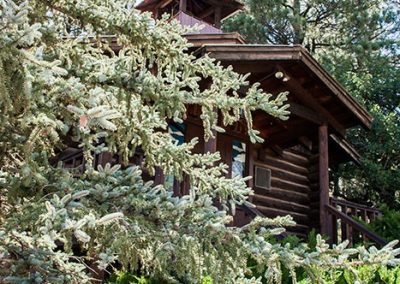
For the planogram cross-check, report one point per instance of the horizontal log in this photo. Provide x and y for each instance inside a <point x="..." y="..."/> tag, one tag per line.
<point x="295" y="156"/>
<point x="284" y="173"/>
<point x="285" y="155"/>
<point x="280" y="203"/>
<point x="284" y="164"/>
<point x="301" y="198"/>
<point x="273" y="212"/>
<point x="298" y="229"/>
<point x="289" y="185"/>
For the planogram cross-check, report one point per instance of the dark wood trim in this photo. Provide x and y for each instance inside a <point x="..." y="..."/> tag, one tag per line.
<point x="347" y="148"/>
<point x="159" y="176"/>
<point x="355" y="225"/>
<point x="305" y="113"/>
<point x="346" y="203"/>
<point x="199" y="40"/>
<point x="250" y="157"/>
<point x="210" y="146"/>
<point x="182" y="5"/>
<point x="295" y="53"/>
<point x="217" y="17"/>
<point x="206" y="13"/>
<point x="198" y="122"/>
<point x="300" y="92"/>
<point x="323" y="177"/>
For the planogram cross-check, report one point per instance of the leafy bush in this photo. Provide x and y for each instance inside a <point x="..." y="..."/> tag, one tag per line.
<point x="387" y="225"/>
<point x="121" y="277"/>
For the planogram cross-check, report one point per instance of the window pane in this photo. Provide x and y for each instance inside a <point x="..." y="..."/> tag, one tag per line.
<point x="177" y="131"/>
<point x="238" y="158"/>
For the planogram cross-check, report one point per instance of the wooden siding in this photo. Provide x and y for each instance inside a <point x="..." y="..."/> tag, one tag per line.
<point x="290" y="187"/>
<point x="190" y="21"/>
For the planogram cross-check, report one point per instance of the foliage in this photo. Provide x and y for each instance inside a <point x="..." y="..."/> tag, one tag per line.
<point x="388" y="224"/>
<point x="316" y="24"/>
<point x="367" y="275"/>
<point x="378" y="177"/>
<point x="120" y="277"/>
<point x="62" y="83"/>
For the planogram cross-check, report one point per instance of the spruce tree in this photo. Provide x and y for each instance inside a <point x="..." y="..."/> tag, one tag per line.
<point x="61" y="80"/>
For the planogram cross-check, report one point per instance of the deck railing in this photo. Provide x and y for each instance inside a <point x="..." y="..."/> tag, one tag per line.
<point x="345" y="226"/>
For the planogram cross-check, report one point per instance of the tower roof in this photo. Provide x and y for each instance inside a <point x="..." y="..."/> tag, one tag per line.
<point x="204" y="10"/>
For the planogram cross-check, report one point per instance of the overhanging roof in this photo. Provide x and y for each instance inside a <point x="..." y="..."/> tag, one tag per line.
<point x="259" y="53"/>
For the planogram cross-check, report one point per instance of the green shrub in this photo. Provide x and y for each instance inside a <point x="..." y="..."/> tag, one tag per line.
<point x="387" y="225"/>
<point x="122" y="277"/>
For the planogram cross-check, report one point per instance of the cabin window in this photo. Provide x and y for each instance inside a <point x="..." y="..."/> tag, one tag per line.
<point x="177" y="131"/>
<point x="238" y="158"/>
<point x="262" y="177"/>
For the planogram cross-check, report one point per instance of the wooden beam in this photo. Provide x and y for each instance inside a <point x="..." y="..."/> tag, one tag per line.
<point x="217" y="17"/>
<point x="300" y="92"/>
<point x="347" y="148"/>
<point x="250" y="157"/>
<point x="305" y="113"/>
<point x="206" y="13"/>
<point x="210" y="146"/>
<point x="357" y="226"/>
<point x="162" y="4"/>
<point x="159" y="176"/>
<point x="306" y="142"/>
<point x="290" y="134"/>
<point x="323" y="178"/>
<point x="182" y="5"/>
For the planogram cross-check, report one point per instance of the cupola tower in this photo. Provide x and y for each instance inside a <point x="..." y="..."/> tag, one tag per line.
<point x="208" y="13"/>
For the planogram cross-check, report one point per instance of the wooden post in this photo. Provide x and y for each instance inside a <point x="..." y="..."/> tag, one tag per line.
<point x="211" y="145"/>
<point x="323" y="178"/>
<point x="344" y="225"/>
<point x="334" y="229"/>
<point x="182" y="5"/>
<point x="159" y="176"/>
<point x="217" y="17"/>
<point x="250" y="166"/>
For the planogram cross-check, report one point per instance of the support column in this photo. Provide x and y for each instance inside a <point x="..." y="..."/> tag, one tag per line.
<point x="182" y="5"/>
<point x="250" y="166"/>
<point x="217" y="17"/>
<point x="211" y="145"/>
<point x="323" y="178"/>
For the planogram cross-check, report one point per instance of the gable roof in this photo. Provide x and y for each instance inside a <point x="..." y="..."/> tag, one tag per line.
<point x="257" y="54"/>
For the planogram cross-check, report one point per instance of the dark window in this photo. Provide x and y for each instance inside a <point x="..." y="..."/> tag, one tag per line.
<point x="177" y="131"/>
<point x="262" y="177"/>
<point x="238" y="158"/>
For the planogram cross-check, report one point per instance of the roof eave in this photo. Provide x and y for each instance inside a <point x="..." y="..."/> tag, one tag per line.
<point x="297" y="52"/>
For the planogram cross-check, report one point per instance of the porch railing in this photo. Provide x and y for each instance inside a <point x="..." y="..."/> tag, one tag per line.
<point x="345" y="226"/>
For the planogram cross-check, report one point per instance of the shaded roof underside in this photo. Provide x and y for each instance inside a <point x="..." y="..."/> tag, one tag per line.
<point x="307" y="79"/>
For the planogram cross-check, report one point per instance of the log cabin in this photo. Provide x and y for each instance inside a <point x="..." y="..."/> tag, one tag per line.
<point x="291" y="168"/>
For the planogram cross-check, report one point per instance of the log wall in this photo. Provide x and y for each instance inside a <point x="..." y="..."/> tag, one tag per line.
<point x="290" y="192"/>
